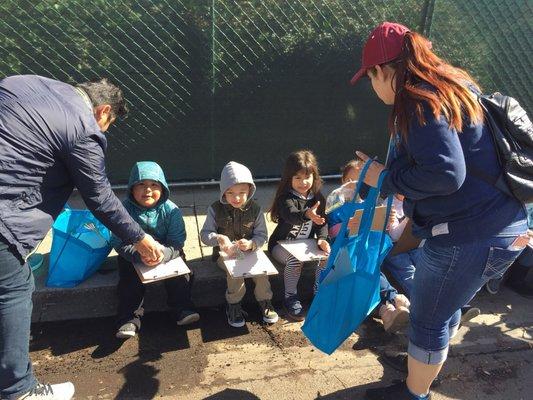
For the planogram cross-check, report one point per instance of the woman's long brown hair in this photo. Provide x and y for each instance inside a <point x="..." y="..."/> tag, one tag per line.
<point x="302" y="160"/>
<point x="448" y="93"/>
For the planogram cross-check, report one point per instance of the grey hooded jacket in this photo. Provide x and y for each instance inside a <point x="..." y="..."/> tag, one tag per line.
<point x="232" y="174"/>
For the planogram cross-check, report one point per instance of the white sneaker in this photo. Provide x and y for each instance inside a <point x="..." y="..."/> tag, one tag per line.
<point x="126" y="331"/>
<point x="60" y="391"/>
<point x="394" y="318"/>
<point x="401" y="301"/>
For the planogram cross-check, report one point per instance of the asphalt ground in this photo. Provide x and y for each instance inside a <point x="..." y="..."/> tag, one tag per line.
<point x="491" y="358"/>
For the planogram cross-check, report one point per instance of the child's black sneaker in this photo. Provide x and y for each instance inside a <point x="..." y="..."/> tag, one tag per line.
<point x="126" y="331"/>
<point x="294" y="308"/>
<point x="270" y="316"/>
<point x="187" y="317"/>
<point x="235" y="315"/>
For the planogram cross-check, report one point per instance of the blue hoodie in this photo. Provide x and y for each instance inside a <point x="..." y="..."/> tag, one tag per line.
<point x="445" y="202"/>
<point x="163" y="221"/>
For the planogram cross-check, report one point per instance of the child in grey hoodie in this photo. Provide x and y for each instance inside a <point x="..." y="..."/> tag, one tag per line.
<point x="236" y="221"/>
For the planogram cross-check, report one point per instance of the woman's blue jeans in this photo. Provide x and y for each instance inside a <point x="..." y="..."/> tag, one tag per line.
<point x="16" y="287"/>
<point x="447" y="278"/>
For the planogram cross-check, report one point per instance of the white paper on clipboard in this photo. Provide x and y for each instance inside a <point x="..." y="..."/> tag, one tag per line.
<point x="253" y="263"/>
<point x="162" y="271"/>
<point x="304" y="249"/>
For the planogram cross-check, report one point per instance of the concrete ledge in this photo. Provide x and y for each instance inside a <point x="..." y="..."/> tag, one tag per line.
<point x="96" y="297"/>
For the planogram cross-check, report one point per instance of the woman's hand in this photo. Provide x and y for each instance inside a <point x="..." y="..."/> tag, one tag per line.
<point x="324" y="245"/>
<point x="313" y="216"/>
<point x="373" y="172"/>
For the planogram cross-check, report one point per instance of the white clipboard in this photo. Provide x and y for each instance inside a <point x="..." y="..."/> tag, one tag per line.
<point x="304" y="249"/>
<point x="253" y="263"/>
<point x="162" y="271"/>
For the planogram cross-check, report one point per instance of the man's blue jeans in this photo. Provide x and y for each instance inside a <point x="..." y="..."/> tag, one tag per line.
<point x="447" y="278"/>
<point x="16" y="287"/>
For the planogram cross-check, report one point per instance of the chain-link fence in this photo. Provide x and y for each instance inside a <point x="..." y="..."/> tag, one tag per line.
<point x="251" y="80"/>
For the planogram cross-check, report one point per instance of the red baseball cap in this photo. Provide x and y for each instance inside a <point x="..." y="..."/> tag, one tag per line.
<point x="383" y="45"/>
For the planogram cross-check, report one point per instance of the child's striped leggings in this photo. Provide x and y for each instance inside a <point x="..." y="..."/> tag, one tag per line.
<point x="293" y="270"/>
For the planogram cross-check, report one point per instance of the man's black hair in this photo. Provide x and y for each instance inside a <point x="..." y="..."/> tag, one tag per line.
<point x="103" y="91"/>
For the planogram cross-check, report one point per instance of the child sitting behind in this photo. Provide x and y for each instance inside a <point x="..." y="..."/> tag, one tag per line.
<point x="148" y="203"/>
<point x="297" y="209"/>
<point x="343" y="194"/>
<point x="237" y="221"/>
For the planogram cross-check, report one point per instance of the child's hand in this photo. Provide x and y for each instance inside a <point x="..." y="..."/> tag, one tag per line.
<point x="393" y="219"/>
<point x="224" y="243"/>
<point x="244" y="244"/>
<point x="324" y="245"/>
<point x="313" y="216"/>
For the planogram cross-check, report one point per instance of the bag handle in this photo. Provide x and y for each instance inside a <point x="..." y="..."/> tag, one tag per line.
<point x="368" y="208"/>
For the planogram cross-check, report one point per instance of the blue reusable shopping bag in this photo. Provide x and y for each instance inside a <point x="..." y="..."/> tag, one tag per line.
<point x="80" y="244"/>
<point x="349" y="285"/>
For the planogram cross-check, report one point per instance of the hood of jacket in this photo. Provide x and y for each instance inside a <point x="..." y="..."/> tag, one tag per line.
<point x="148" y="170"/>
<point x="232" y="174"/>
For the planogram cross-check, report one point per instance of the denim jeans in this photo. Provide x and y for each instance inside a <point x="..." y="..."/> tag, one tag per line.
<point x="16" y="287"/>
<point x="386" y="291"/>
<point x="402" y="268"/>
<point x="447" y="278"/>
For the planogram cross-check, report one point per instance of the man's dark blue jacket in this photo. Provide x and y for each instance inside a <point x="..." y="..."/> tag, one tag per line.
<point x="49" y="143"/>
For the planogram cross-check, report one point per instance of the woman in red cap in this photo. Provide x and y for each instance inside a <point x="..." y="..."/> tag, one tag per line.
<point x="473" y="230"/>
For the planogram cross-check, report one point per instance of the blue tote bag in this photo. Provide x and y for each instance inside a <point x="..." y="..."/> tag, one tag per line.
<point x="80" y="244"/>
<point x="349" y="285"/>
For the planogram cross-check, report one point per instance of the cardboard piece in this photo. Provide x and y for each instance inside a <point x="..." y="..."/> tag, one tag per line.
<point x="377" y="223"/>
<point x="162" y="271"/>
<point x="253" y="263"/>
<point x="407" y="241"/>
<point x="304" y="249"/>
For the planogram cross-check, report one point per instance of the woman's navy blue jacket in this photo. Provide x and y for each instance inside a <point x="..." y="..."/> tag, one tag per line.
<point x="49" y="143"/>
<point x="446" y="202"/>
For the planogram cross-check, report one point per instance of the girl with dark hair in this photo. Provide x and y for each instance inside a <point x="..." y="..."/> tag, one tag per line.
<point x="297" y="209"/>
<point x="473" y="231"/>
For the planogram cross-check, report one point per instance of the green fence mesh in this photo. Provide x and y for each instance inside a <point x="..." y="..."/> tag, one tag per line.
<point x="251" y="80"/>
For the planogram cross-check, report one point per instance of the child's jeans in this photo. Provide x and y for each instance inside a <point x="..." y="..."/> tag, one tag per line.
<point x="131" y="294"/>
<point x="402" y="268"/>
<point x="237" y="289"/>
<point x="387" y="292"/>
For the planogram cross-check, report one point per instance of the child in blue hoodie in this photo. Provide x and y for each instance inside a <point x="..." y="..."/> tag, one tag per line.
<point x="148" y="203"/>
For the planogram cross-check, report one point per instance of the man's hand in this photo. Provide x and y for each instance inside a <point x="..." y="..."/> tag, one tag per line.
<point x="149" y="249"/>
<point x="313" y="216"/>
<point x="245" y="245"/>
<point x="324" y="245"/>
<point x="374" y="170"/>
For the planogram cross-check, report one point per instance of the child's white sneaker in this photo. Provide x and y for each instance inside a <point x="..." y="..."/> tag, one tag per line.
<point x="60" y="391"/>
<point x="394" y="318"/>
<point x="270" y="316"/>
<point x="126" y="331"/>
<point x="402" y="301"/>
